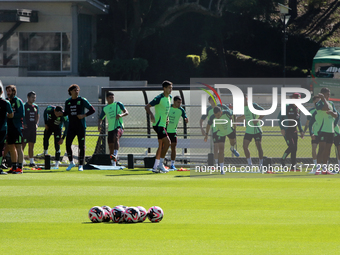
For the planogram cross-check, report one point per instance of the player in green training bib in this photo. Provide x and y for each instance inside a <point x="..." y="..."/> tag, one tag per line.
<point x="253" y="130"/>
<point x="221" y="123"/>
<point x="311" y="124"/>
<point x="114" y="113"/>
<point x="162" y="104"/>
<point x="326" y="113"/>
<point x="176" y="112"/>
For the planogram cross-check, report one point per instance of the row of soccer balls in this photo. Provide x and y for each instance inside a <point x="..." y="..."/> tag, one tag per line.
<point x="123" y="213"/>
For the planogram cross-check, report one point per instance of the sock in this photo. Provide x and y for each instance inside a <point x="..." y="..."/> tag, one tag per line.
<point x="216" y="161"/>
<point x="249" y="161"/>
<point x="172" y="162"/>
<point x="232" y="147"/>
<point x="31" y="160"/>
<point x="315" y="162"/>
<point x="115" y="152"/>
<point x="57" y="155"/>
<point x="156" y="164"/>
<point x="114" y="163"/>
<point x="161" y="162"/>
<point x="57" y="163"/>
<point x="45" y="152"/>
<point x="14" y="166"/>
<point x="261" y="162"/>
<point x="72" y="162"/>
<point x="221" y="165"/>
<point x="339" y="162"/>
<point x="20" y="165"/>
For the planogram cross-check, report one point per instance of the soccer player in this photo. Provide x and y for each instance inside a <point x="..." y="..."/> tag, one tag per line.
<point x="310" y="123"/>
<point x="31" y="122"/>
<point x="176" y="111"/>
<point x="336" y="140"/>
<point x="114" y="111"/>
<point x="54" y="121"/>
<point x="220" y="132"/>
<point x="5" y="112"/>
<point x="290" y="133"/>
<point x="162" y="104"/>
<point x="14" y="135"/>
<point x="253" y="131"/>
<point x="75" y="110"/>
<point x="326" y="113"/>
<point x="210" y="112"/>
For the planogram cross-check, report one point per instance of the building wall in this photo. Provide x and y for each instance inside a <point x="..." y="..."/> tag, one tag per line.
<point x="52" y="17"/>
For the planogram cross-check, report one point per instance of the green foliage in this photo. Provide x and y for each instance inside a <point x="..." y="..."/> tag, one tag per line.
<point x="116" y="69"/>
<point x="315" y="4"/>
<point x="195" y="60"/>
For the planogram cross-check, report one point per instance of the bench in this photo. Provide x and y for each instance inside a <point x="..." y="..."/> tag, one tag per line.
<point x="129" y="142"/>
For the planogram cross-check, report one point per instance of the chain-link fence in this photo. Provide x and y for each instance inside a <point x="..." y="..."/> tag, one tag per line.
<point x="138" y="134"/>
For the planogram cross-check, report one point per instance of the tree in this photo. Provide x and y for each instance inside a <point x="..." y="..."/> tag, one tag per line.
<point x="134" y="20"/>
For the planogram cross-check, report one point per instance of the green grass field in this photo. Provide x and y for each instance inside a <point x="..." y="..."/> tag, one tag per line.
<point x="45" y="212"/>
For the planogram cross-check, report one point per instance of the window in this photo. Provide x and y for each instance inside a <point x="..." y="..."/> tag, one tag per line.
<point x="38" y="51"/>
<point x="9" y="51"/>
<point x="45" y="51"/>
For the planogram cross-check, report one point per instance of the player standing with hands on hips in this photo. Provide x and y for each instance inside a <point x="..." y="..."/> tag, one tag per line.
<point x="75" y="110"/>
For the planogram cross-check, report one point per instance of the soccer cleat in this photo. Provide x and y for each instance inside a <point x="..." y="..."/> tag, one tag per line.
<point x="70" y="166"/>
<point x="162" y="169"/>
<point x="80" y="168"/>
<point x="172" y="168"/>
<point x="10" y="171"/>
<point x="2" y="172"/>
<point x="235" y="152"/>
<point x="318" y="170"/>
<point x="32" y="165"/>
<point x="113" y="157"/>
<point x="18" y="171"/>
<point x="3" y="166"/>
<point x="155" y="170"/>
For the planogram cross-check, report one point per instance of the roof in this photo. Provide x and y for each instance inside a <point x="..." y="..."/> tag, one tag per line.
<point x="328" y="53"/>
<point x="95" y="5"/>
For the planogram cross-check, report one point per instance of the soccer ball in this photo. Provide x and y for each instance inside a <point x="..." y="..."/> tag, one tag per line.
<point x="117" y="214"/>
<point x="131" y="215"/>
<point x="96" y="214"/>
<point x="143" y="213"/>
<point x="107" y="213"/>
<point x="155" y="214"/>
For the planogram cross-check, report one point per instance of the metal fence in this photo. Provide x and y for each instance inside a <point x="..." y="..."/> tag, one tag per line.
<point x="136" y="127"/>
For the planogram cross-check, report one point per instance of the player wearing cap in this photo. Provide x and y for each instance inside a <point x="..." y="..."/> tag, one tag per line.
<point x="14" y="135"/>
<point x="114" y="112"/>
<point x="326" y="113"/>
<point x="162" y="104"/>
<point x="75" y="110"/>
<point x="54" y="121"/>
<point x="220" y="132"/>
<point x="176" y="112"/>
<point x="289" y="131"/>
<point x="5" y="111"/>
<point x="253" y="131"/>
<point x="31" y="122"/>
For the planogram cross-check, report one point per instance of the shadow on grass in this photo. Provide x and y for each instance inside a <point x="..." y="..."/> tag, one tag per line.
<point x="41" y="171"/>
<point x="120" y="223"/>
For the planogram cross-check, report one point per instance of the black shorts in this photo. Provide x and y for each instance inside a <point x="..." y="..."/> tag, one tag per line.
<point x="257" y="137"/>
<point x="161" y="132"/>
<point x="337" y="140"/>
<point x="326" y="137"/>
<point x="173" y="137"/>
<point x="118" y="132"/>
<point x="218" y="139"/>
<point x="232" y="135"/>
<point x="29" y="135"/>
<point x="14" y="136"/>
<point x="316" y="140"/>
